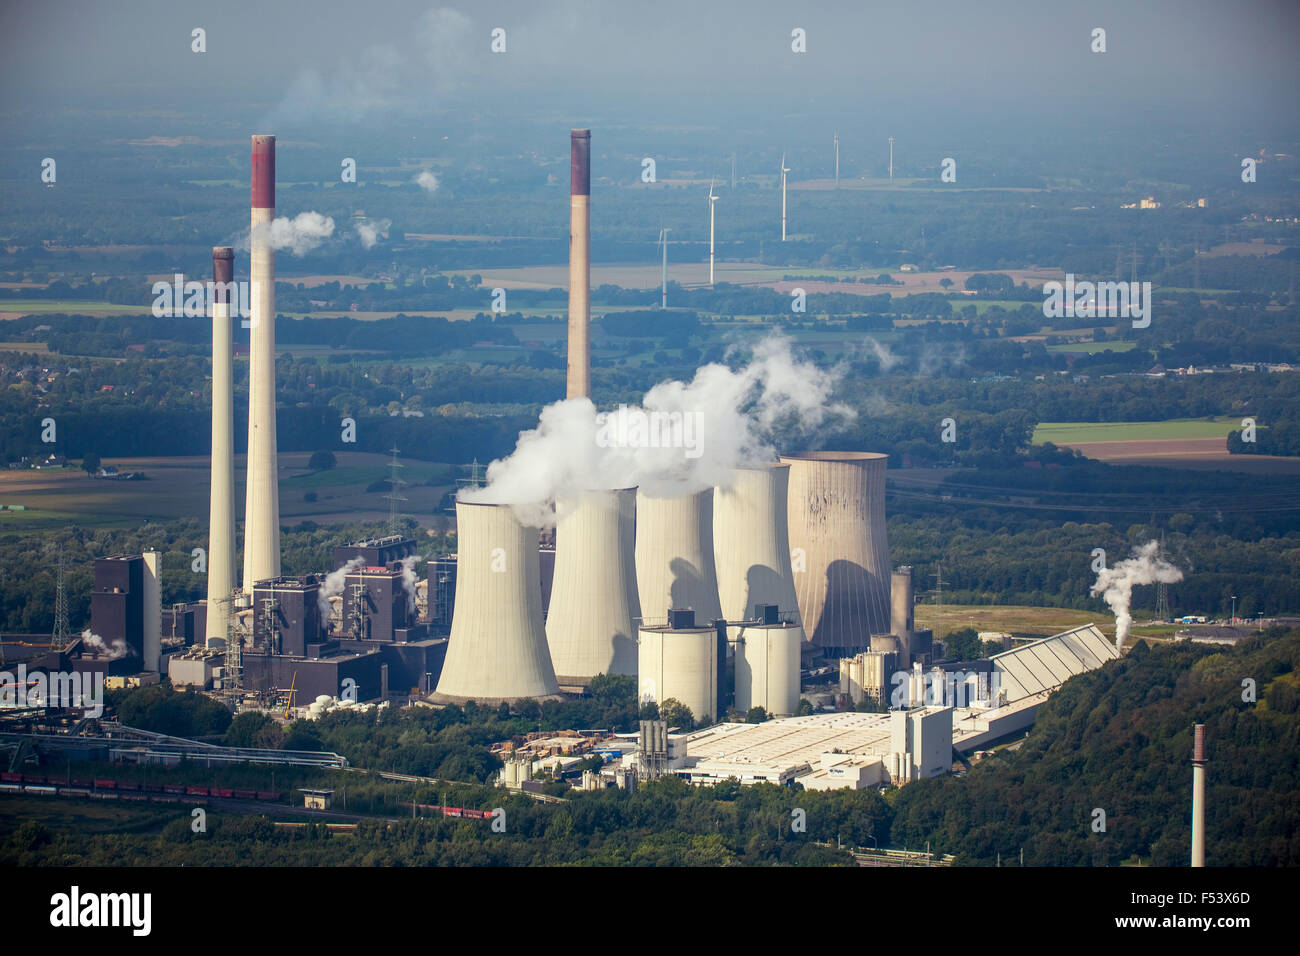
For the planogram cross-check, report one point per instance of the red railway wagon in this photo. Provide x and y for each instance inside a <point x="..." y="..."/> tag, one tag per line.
<point x="105" y="784"/>
<point x="196" y="791"/>
<point x="268" y="795"/>
<point x="245" y="794"/>
<point x="222" y="792"/>
<point x="127" y="785"/>
<point x="81" y="783"/>
<point x="11" y="777"/>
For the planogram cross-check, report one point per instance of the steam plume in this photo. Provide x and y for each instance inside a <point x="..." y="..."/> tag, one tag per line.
<point x="727" y="419"/>
<point x="1115" y="584"/>
<point x="300" y="235"/>
<point x="427" y="181"/>
<point x="408" y="581"/>
<point x="371" y="231"/>
<point x="333" y="585"/>
<point x="94" y="642"/>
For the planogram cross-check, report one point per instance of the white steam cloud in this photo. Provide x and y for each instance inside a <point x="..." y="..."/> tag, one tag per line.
<point x="371" y="231"/>
<point x="1115" y="584"/>
<point x="332" y="586"/>
<point x="408" y="581"/>
<point x="884" y="356"/>
<point x="427" y="181"/>
<point x="102" y="648"/>
<point x="720" y="420"/>
<point x="300" y="235"/>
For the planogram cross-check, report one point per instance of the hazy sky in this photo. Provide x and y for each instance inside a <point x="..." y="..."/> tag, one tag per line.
<point x="663" y="60"/>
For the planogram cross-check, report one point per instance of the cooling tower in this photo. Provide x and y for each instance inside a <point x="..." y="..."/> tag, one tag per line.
<point x="497" y="649"/>
<point x="840" y="553"/>
<point x="589" y="625"/>
<point x="674" y="556"/>
<point x="221" y="501"/>
<point x="579" y="378"/>
<point x="261" y="492"/>
<point x="751" y="542"/>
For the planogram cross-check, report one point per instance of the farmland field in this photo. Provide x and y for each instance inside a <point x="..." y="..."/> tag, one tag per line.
<point x="1071" y="433"/>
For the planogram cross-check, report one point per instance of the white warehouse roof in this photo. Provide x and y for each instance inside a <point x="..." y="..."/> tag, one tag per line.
<point x="1047" y="664"/>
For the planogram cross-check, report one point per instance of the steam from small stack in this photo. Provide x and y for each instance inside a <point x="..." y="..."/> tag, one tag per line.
<point x="221" y="504"/>
<point x="579" y="378"/>
<point x="262" y="495"/>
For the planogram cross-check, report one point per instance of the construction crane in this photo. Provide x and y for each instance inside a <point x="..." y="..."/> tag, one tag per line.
<point x="289" y="706"/>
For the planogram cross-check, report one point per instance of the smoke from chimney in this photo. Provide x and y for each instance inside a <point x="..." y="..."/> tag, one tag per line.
<point x="1115" y="584"/>
<point x="408" y="581"/>
<point x="332" y="585"/>
<point x="101" y="648"/>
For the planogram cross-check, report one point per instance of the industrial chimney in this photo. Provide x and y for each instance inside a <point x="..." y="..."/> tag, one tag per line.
<point x="221" y="503"/>
<point x="151" y="643"/>
<point x="261" y="493"/>
<point x="579" y="379"/>
<point x="751" y="542"/>
<point x="674" y="556"/>
<point x="594" y="602"/>
<point x="497" y="649"/>
<point x="1198" y="796"/>
<point x="840" y="550"/>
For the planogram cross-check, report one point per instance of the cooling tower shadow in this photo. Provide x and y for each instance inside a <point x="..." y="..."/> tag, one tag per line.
<point x="689" y="584"/>
<point x="850" y="615"/>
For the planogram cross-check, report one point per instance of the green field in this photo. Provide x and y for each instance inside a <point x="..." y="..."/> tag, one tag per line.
<point x="1066" y="433"/>
<point x="1093" y="348"/>
<point x="69" y="306"/>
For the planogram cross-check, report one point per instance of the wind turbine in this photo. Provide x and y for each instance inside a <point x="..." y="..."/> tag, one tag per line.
<point x="784" y="169"/>
<point x="712" y="200"/>
<point x="663" y="239"/>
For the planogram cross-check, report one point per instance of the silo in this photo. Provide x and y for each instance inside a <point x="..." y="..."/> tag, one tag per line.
<point x="674" y="556"/>
<point x="751" y="542"/>
<point x="594" y="601"/>
<point x="767" y="667"/>
<point x="901" y="603"/>
<point x="886" y="643"/>
<point x="497" y="648"/>
<point x="840" y="552"/>
<point x="682" y="663"/>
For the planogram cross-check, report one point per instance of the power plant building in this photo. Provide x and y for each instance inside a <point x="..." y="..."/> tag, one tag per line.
<point x="117" y="604"/>
<point x="840" y="548"/>
<point x="375" y="604"/>
<point x="286" y="615"/>
<point x="375" y="552"/>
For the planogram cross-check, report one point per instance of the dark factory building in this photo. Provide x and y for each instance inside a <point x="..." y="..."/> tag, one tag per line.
<point x="413" y="668"/>
<point x="375" y="552"/>
<point x="441" y="593"/>
<point x="311" y="676"/>
<point x="185" y="622"/>
<point x="286" y="615"/>
<point x="117" y="603"/>
<point x="375" y="605"/>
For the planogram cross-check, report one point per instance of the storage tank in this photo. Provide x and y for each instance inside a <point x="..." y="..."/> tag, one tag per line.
<point x="497" y="648"/>
<point x="886" y="643"/>
<point x="751" y="542"/>
<point x="680" y="662"/>
<point x="840" y="551"/>
<point x="901" y="603"/>
<point x="767" y="668"/>
<point x="594" y="601"/>
<point x="674" y="556"/>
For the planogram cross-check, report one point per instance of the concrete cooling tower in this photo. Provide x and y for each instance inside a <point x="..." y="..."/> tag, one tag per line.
<point x="594" y="602"/>
<point x="674" y="556"/>
<point x="497" y="648"/>
<point x="751" y="542"/>
<point x="840" y="552"/>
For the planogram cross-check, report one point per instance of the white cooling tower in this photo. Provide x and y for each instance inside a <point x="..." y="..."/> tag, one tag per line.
<point x="497" y="649"/>
<point x="751" y="542"/>
<point x="589" y="625"/>
<point x="839" y="547"/>
<point x="261" y="491"/>
<point x="674" y="556"/>
<point x="767" y="667"/>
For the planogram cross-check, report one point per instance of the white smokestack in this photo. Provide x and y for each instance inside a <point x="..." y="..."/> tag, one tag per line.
<point x="221" y="504"/>
<point x="589" y="625"/>
<point x="333" y="586"/>
<point x="1198" y="795"/>
<point x="1115" y="584"/>
<point x="152" y="612"/>
<point x="262" y="493"/>
<point x="497" y="649"/>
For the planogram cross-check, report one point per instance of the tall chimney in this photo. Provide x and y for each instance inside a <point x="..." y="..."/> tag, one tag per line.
<point x="1198" y="796"/>
<point x="579" y="380"/>
<point x="261" y="493"/>
<point x="221" y="504"/>
<point x="152" y="637"/>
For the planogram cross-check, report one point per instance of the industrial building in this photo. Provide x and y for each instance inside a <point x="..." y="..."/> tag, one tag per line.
<point x="375" y="552"/>
<point x="765" y="653"/>
<point x="685" y="661"/>
<point x="286" y="615"/>
<point x="375" y="604"/>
